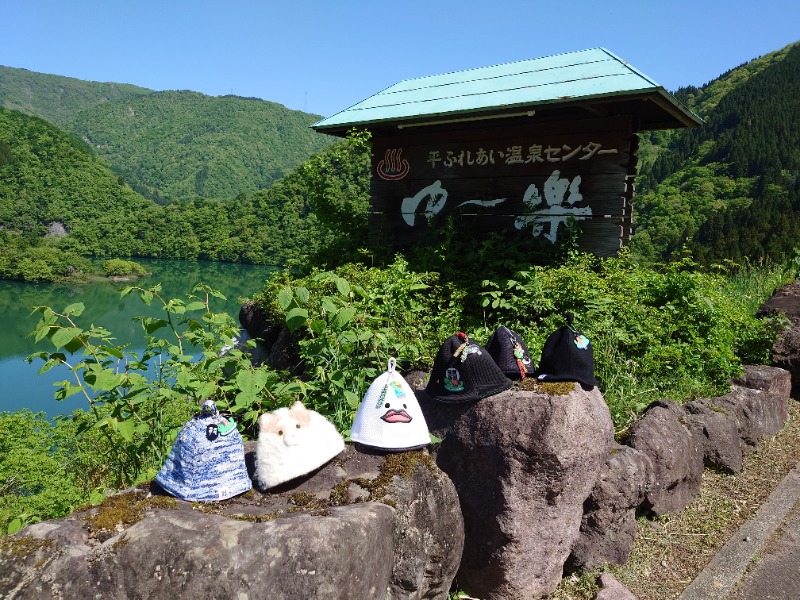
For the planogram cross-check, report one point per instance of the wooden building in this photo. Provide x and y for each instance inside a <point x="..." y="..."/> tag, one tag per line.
<point x="519" y="147"/>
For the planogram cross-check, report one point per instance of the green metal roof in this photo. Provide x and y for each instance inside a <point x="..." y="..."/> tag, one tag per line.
<point x="589" y="75"/>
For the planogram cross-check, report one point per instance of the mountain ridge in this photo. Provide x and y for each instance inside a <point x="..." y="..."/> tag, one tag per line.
<point x="183" y="151"/>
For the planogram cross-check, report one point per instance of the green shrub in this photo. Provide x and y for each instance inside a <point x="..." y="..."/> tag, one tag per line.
<point x="37" y="260"/>
<point x="117" y="267"/>
<point x="674" y="332"/>
<point x="136" y="402"/>
<point x="348" y="322"/>
<point x="37" y="470"/>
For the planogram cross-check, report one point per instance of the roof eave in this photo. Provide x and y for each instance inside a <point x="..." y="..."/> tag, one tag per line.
<point x="665" y="101"/>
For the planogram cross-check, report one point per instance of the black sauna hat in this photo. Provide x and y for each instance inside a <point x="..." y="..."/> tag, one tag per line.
<point x="567" y="355"/>
<point x="510" y="352"/>
<point x="464" y="371"/>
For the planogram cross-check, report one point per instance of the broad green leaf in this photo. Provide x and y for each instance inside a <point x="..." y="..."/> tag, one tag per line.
<point x="296" y="318"/>
<point x="245" y="400"/>
<point x="152" y="324"/>
<point x="52" y="361"/>
<point x="352" y="399"/>
<point x="251" y="381"/>
<point x="63" y="335"/>
<point x="207" y="389"/>
<point x="285" y="298"/>
<point x="14" y="526"/>
<point x="42" y="331"/>
<point x="328" y="306"/>
<point x="126" y="429"/>
<point x="318" y="325"/>
<point x="343" y="317"/>
<point x="337" y="379"/>
<point x="73" y="345"/>
<point x="301" y="293"/>
<point x="66" y="389"/>
<point x="75" y="309"/>
<point x="102" y="380"/>
<point x="343" y="287"/>
<point x="196" y="306"/>
<point x="111" y="351"/>
<point x="183" y="379"/>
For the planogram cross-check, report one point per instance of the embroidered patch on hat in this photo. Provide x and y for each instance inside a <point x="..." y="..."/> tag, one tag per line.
<point x="464" y="371"/>
<point x="206" y="462"/>
<point x="510" y="352"/>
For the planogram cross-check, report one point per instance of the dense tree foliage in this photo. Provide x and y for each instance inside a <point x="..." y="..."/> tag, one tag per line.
<point x="55" y="98"/>
<point x="178" y="145"/>
<point x="48" y="177"/>
<point x="728" y="190"/>
<point x="175" y="145"/>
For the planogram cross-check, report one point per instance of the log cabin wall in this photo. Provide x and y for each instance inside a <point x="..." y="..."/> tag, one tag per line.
<point x="519" y="176"/>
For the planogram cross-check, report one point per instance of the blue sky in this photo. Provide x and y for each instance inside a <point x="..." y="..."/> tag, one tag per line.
<point x="321" y="57"/>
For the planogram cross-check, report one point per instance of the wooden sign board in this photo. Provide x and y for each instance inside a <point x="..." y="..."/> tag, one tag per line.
<point x="523" y="178"/>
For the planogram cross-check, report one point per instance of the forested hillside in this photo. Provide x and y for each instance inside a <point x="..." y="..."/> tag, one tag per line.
<point x="183" y="145"/>
<point x="728" y="190"/>
<point x="48" y="176"/>
<point x="57" y="99"/>
<point x="171" y="146"/>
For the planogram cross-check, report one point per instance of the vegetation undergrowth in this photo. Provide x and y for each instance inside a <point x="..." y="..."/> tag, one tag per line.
<point x="676" y="331"/>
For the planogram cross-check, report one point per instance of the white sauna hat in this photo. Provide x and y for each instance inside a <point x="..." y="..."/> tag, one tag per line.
<point x="389" y="416"/>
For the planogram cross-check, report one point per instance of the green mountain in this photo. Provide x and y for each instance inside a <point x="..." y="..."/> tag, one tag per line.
<point x="728" y="190"/>
<point x="58" y="99"/>
<point x="180" y="145"/>
<point x="171" y="146"/>
<point x="48" y="176"/>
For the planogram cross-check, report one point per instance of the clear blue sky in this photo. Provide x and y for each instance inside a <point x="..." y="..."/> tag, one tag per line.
<point x="321" y="57"/>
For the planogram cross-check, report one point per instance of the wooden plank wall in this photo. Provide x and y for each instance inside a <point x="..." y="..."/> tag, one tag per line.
<point x="525" y="177"/>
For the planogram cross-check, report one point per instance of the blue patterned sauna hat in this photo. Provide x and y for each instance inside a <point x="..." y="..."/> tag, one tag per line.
<point x="206" y="462"/>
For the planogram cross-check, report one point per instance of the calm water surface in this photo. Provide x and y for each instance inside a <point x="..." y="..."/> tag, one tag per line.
<point x="20" y="384"/>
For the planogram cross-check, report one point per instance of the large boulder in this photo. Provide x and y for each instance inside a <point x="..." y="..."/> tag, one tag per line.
<point x="364" y="526"/>
<point x="608" y="526"/>
<point x="662" y="433"/>
<point x="274" y="343"/>
<point x="523" y="463"/>
<point x="772" y="380"/>
<point x="786" y="349"/>
<point x="786" y="355"/>
<point x="758" y="413"/>
<point x="717" y="432"/>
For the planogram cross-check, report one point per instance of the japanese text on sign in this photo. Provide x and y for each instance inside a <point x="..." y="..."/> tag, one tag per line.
<point x="517" y="155"/>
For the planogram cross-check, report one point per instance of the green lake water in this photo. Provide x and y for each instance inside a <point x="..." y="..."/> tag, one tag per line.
<point x="20" y="384"/>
